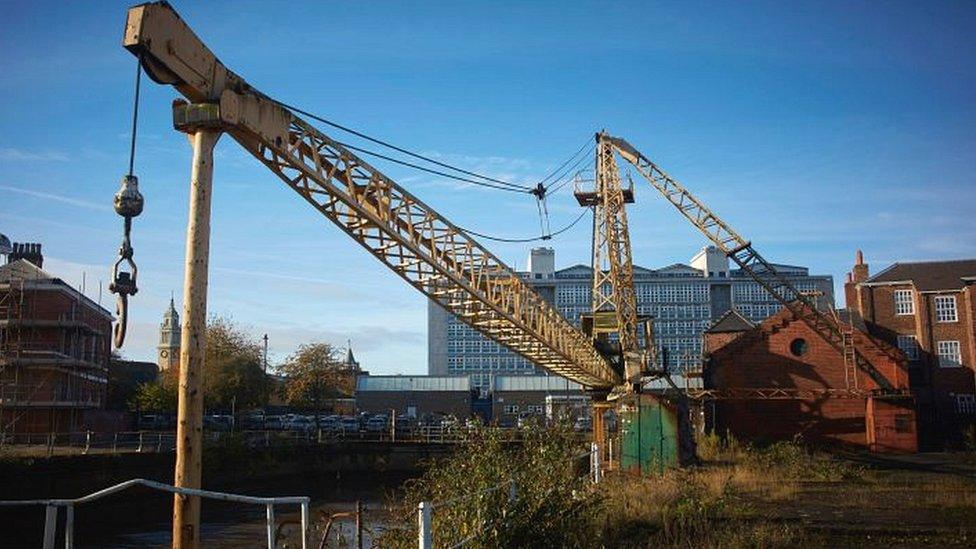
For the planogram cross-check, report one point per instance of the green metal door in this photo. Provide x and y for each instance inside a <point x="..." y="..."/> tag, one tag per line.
<point x="649" y="435"/>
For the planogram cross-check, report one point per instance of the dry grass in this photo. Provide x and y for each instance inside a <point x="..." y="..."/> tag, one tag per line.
<point x="783" y="495"/>
<point x="687" y="509"/>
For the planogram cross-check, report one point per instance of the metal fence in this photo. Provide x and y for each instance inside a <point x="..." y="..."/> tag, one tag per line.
<point x="89" y="442"/>
<point x="53" y="507"/>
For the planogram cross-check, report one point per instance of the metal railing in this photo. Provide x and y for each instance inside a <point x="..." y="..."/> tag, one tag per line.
<point x="425" y="509"/>
<point x="53" y="506"/>
<point x="149" y="441"/>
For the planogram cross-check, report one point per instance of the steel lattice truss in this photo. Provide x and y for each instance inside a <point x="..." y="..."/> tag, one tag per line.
<point x="405" y="234"/>
<point x="430" y="253"/>
<point x="746" y="257"/>
<point x="613" y="269"/>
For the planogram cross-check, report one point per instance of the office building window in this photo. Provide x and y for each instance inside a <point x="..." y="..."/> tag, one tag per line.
<point x="949" y="354"/>
<point x="903" y="302"/>
<point x="908" y="345"/>
<point x="945" y="308"/>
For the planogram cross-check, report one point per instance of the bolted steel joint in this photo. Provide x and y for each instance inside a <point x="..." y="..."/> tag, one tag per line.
<point x="128" y="201"/>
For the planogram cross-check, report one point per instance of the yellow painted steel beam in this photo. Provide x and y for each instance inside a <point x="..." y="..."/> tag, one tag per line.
<point x="745" y="256"/>
<point x="613" y="268"/>
<point x="408" y="236"/>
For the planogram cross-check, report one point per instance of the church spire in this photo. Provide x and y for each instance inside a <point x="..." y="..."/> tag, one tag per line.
<point x="350" y="362"/>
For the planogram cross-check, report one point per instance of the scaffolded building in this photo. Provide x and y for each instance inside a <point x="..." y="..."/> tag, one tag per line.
<point x="54" y="349"/>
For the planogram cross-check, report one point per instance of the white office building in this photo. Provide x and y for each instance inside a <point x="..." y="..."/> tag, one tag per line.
<point x="683" y="300"/>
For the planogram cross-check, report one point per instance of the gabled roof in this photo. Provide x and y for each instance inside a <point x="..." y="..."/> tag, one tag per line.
<point x="928" y="276"/>
<point x="578" y="268"/>
<point x="22" y="269"/>
<point x="731" y="321"/>
<point x="677" y="267"/>
<point x="852" y="317"/>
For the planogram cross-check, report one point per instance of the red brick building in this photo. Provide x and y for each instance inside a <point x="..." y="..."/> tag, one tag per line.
<point x="928" y="310"/>
<point x="54" y="349"/>
<point x="780" y="380"/>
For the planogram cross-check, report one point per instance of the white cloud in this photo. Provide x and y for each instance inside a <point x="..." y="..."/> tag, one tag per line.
<point x="20" y="155"/>
<point x="57" y="198"/>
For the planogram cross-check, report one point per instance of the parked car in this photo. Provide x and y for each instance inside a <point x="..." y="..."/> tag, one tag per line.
<point x="254" y="421"/>
<point x="348" y="425"/>
<point x="405" y="424"/>
<point x="505" y="422"/>
<point x="376" y="424"/>
<point x="301" y="423"/>
<point x="218" y="422"/>
<point x="155" y="422"/>
<point x="328" y="424"/>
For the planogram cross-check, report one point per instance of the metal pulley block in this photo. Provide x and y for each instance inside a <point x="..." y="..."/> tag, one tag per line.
<point x="128" y="201"/>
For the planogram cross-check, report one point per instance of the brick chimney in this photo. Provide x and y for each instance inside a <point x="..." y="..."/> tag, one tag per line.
<point x="858" y="274"/>
<point x="27" y="250"/>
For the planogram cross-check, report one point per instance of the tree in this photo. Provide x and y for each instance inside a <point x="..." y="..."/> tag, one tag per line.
<point x="154" y="397"/>
<point x="232" y="370"/>
<point x="233" y="375"/>
<point x="313" y="374"/>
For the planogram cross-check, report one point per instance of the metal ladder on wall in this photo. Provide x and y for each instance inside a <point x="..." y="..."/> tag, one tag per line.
<point x="850" y="358"/>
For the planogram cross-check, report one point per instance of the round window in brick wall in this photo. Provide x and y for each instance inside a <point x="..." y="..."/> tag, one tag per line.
<point x="798" y="346"/>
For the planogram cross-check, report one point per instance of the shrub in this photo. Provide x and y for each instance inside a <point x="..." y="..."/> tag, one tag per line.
<point x="554" y="505"/>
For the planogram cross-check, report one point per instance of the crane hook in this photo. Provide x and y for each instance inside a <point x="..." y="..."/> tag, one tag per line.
<point x="128" y="204"/>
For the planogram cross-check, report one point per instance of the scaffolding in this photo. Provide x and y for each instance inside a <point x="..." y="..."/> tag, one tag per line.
<point x="47" y="364"/>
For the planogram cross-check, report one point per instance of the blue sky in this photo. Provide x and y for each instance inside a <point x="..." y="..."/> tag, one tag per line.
<point x="812" y="128"/>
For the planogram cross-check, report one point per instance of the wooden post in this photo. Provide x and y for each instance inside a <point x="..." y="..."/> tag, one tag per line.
<point x="359" y="524"/>
<point x="600" y="434"/>
<point x="193" y="344"/>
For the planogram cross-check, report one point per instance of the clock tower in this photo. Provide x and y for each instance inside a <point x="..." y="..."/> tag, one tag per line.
<point x="168" y="350"/>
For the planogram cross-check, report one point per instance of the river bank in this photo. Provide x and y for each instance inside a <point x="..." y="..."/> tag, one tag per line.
<point x="332" y="475"/>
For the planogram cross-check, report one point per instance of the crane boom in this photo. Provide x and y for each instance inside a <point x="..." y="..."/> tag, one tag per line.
<point x="408" y="236"/>
<point x="746" y="257"/>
